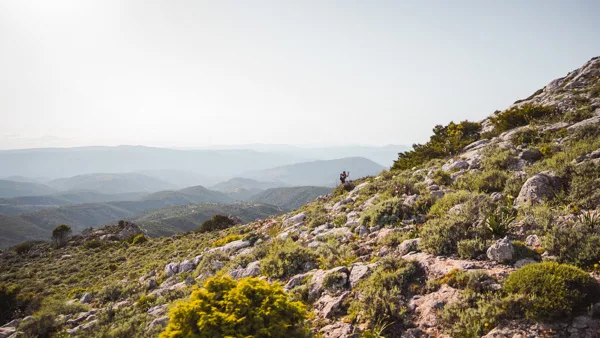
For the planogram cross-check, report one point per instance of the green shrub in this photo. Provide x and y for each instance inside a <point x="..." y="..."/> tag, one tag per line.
<point x="485" y="181"/>
<point x="441" y="177"/>
<point x="40" y="326"/>
<point x="227" y="239"/>
<point x="520" y="116"/>
<point x="470" y="248"/>
<point x="575" y="244"/>
<point x="445" y="141"/>
<point x="331" y="254"/>
<point x="513" y="186"/>
<point x="579" y="114"/>
<point x="499" y="222"/>
<point x="287" y="258"/>
<point x="550" y="290"/>
<point x="388" y="212"/>
<point x="473" y="315"/>
<point x="523" y="251"/>
<point x="446" y="202"/>
<point x="139" y="239"/>
<point x="217" y="222"/>
<point x="12" y="302"/>
<point x="60" y="235"/>
<point x="211" y="262"/>
<point x="495" y="159"/>
<point x="584" y="185"/>
<point x="334" y="281"/>
<point x="94" y="243"/>
<point x="24" y="248"/>
<point x="383" y="295"/>
<point x="249" y="307"/>
<point x="528" y="136"/>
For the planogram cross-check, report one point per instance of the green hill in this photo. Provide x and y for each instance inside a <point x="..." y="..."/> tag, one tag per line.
<point x="111" y="183"/>
<point x="289" y="198"/>
<point x="170" y="220"/>
<point x="10" y="189"/>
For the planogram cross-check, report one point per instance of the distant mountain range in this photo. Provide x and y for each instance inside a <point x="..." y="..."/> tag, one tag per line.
<point x="180" y="167"/>
<point x="317" y="173"/>
<point x="289" y="198"/>
<point x="111" y="183"/>
<point x="15" y="188"/>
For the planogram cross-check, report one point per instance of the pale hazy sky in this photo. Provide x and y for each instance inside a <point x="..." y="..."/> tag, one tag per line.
<point x="199" y="73"/>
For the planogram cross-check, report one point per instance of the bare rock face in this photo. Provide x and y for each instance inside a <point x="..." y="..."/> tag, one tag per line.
<point x="338" y="330"/>
<point x="252" y="270"/>
<point x="328" y="306"/>
<point x="408" y="246"/>
<point x="299" y="218"/>
<point x="129" y="230"/>
<point x="539" y="187"/>
<point x="427" y="307"/>
<point x="501" y="251"/>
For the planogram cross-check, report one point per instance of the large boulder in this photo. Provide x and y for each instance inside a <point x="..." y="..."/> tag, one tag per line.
<point x="299" y="218"/>
<point x="501" y="251"/>
<point x="539" y="187"/>
<point x="252" y="270"/>
<point x="328" y="306"/>
<point x="232" y="247"/>
<point x="408" y="246"/>
<point x="172" y="269"/>
<point x="129" y="230"/>
<point x="359" y="272"/>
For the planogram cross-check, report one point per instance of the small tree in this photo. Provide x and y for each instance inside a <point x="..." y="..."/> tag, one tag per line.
<point x="60" y="235"/>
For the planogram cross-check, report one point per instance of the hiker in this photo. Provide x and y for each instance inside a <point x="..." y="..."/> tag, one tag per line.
<point x="344" y="176"/>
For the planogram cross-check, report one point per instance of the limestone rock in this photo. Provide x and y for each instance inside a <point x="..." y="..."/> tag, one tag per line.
<point x="339" y="330"/>
<point x="537" y="188"/>
<point x="408" y="246"/>
<point x="501" y="251"/>
<point x="86" y="298"/>
<point x="328" y="306"/>
<point x="299" y="218"/>
<point x="359" y="272"/>
<point x="158" y="322"/>
<point x="172" y="269"/>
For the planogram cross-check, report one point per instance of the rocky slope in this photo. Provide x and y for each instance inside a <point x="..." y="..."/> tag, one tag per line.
<point x="439" y="249"/>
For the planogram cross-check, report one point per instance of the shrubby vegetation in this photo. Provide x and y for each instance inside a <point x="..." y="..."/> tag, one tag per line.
<point x="551" y="290"/>
<point x="60" y="235"/>
<point x="520" y="116"/>
<point x="445" y="141"/>
<point x="217" y="222"/>
<point x="244" y="308"/>
<point x="383" y="296"/>
<point x="286" y="258"/>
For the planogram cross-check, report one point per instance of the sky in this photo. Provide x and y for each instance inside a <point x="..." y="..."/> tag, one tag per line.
<point x="203" y="73"/>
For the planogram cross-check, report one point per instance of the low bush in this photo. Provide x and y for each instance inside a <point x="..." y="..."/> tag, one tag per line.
<point x="335" y="281"/>
<point x="217" y="222"/>
<point x="331" y="254"/>
<point x="521" y="116"/>
<point x="227" y="239"/>
<point x="488" y="181"/>
<point x="139" y="239"/>
<point x="578" y="114"/>
<point x="388" y="212"/>
<point x="470" y="248"/>
<point x="584" y="185"/>
<point x="473" y="315"/>
<point x="551" y="290"/>
<point x="446" y="202"/>
<point x="574" y="244"/>
<point x="495" y="159"/>
<point x="446" y="141"/>
<point x="249" y="307"/>
<point x="287" y="258"/>
<point x="441" y="177"/>
<point x="24" y="248"/>
<point x="383" y="295"/>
